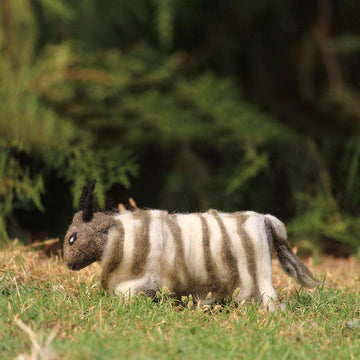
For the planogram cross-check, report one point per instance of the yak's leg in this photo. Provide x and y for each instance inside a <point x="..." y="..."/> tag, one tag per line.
<point x="269" y="299"/>
<point x="130" y="288"/>
<point x="264" y="271"/>
<point x="266" y="289"/>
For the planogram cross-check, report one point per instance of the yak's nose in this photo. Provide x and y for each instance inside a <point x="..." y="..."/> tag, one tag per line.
<point x="71" y="266"/>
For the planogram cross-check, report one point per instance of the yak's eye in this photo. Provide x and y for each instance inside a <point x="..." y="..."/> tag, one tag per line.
<point x="72" y="238"/>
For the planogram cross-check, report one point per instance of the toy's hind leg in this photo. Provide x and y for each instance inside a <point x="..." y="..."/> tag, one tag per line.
<point x="265" y="285"/>
<point x="269" y="298"/>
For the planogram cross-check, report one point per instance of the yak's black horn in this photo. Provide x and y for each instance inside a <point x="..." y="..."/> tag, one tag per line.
<point x="86" y="202"/>
<point x="83" y="196"/>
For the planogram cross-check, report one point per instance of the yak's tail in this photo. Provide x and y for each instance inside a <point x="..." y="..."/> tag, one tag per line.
<point x="290" y="263"/>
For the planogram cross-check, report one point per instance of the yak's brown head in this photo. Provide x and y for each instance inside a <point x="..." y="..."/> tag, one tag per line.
<point x="86" y="238"/>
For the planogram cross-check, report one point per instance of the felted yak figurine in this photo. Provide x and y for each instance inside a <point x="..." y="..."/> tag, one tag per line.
<point x="211" y="255"/>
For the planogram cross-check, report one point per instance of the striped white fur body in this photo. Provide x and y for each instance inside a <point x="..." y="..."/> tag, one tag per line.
<point x="192" y="254"/>
<point x="211" y="255"/>
<point x="198" y="253"/>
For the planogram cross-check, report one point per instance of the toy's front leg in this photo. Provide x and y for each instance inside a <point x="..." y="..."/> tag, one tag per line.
<point x="130" y="288"/>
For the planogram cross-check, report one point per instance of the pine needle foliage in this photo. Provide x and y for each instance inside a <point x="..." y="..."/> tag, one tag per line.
<point x="232" y="105"/>
<point x="36" y="139"/>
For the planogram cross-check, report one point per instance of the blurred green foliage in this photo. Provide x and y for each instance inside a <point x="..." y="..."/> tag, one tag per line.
<point x="194" y="104"/>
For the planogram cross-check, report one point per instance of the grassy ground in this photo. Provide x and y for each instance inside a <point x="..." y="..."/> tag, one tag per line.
<point x="48" y="311"/>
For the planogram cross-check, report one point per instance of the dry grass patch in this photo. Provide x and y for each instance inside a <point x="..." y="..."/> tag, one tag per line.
<point x="22" y="264"/>
<point x="44" y="298"/>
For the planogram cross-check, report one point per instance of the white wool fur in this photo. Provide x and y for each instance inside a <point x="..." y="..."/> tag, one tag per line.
<point x="209" y="255"/>
<point x="177" y="259"/>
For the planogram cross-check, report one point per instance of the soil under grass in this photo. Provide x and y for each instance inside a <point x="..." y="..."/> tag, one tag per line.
<point x="47" y="310"/>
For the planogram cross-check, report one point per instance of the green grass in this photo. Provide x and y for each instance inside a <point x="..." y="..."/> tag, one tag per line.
<point x="91" y="324"/>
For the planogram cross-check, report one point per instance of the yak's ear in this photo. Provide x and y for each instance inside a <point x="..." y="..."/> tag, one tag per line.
<point x="86" y="202"/>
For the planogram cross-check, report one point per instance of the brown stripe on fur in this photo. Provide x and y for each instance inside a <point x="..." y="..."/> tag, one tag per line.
<point x="116" y="253"/>
<point x="180" y="262"/>
<point x="210" y="265"/>
<point x="141" y="243"/>
<point x="250" y="254"/>
<point x="227" y="256"/>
